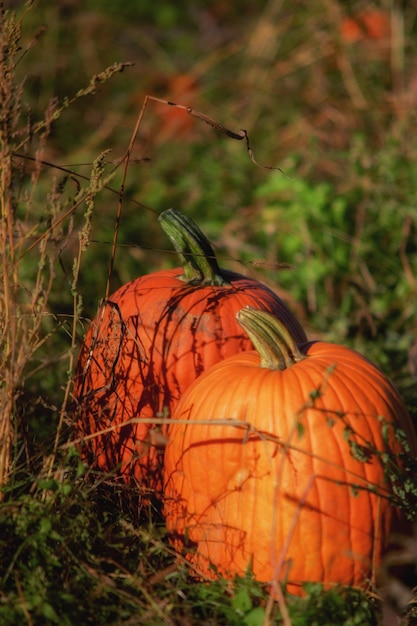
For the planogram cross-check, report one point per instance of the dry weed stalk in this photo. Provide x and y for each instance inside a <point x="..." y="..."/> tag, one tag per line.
<point x="35" y="226"/>
<point x="13" y="350"/>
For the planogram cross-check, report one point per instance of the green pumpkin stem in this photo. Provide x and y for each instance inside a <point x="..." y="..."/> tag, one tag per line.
<point x="194" y="249"/>
<point x="274" y="343"/>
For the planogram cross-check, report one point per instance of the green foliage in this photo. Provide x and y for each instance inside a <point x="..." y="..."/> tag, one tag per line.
<point x="337" y="606"/>
<point x="347" y="252"/>
<point x="335" y="248"/>
<point x="307" y="225"/>
<point x="240" y="603"/>
<point x="63" y="559"/>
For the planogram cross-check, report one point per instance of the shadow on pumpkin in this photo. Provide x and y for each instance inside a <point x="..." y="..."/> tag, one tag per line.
<point x="318" y="526"/>
<point x="143" y="349"/>
<point x="215" y="549"/>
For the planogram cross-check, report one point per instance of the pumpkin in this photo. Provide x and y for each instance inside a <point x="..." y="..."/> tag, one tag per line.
<point x="148" y="342"/>
<point x="276" y="462"/>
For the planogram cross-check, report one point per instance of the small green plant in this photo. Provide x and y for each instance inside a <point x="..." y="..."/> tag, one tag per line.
<point x="347" y="607"/>
<point x="306" y="226"/>
<point x="66" y="554"/>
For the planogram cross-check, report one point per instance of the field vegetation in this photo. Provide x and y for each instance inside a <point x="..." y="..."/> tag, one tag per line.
<point x="318" y="201"/>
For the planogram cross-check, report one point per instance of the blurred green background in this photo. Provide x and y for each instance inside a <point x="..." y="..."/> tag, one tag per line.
<point x="326" y="91"/>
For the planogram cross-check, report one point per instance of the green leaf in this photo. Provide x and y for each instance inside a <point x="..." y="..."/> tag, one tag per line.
<point x="241" y="601"/>
<point x="255" y="617"/>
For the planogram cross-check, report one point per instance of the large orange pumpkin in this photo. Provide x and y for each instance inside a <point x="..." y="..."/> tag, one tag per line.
<point x="149" y="341"/>
<point x="278" y="461"/>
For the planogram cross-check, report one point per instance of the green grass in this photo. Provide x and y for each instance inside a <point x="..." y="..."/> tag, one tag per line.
<point x="339" y="120"/>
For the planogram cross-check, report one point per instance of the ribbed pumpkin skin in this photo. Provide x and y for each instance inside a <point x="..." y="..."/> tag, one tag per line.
<point x="286" y="496"/>
<point x="148" y="342"/>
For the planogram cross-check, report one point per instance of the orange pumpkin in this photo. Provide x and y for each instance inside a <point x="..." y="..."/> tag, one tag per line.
<point x="149" y="341"/>
<point x="366" y="25"/>
<point x="276" y="461"/>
